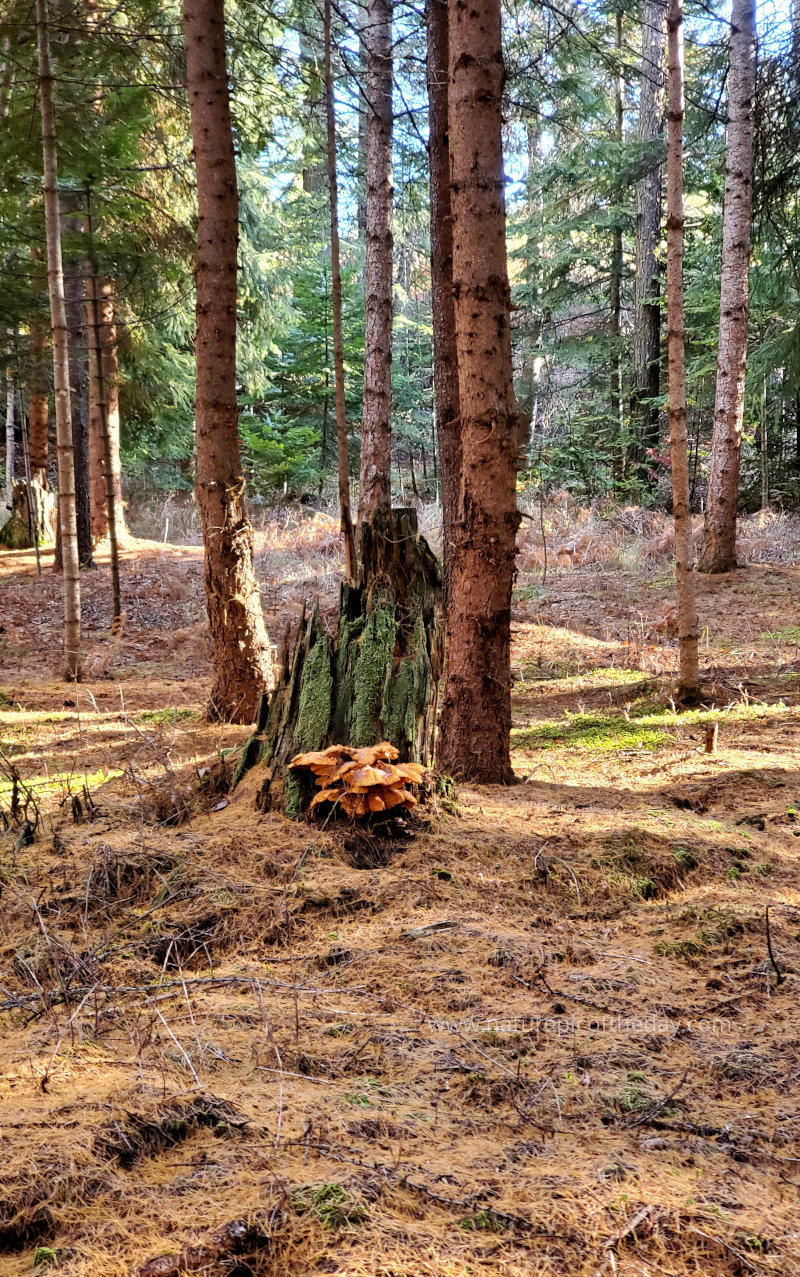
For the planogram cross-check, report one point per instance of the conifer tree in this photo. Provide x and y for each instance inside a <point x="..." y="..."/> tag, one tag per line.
<point x="242" y="661"/>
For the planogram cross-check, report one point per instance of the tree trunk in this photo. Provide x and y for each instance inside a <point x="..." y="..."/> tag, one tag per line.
<point x="615" y="283"/>
<point x="684" y="568"/>
<point x="79" y="396"/>
<point x="376" y="679"/>
<point x="361" y="161"/>
<point x="109" y="369"/>
<point x="10" y="442"/>
<point x="376" y="430"/>
<point x="445" y="356"/>
<point x="476" y="713"/>
<point x="719" y="533"/>
<point x="98" y="367"/>
<point x="242" y="661"/>
<point x="647" y="313"/>
<point x="38" y="416"/>
<point x="97" y="474"/>
<point x="55" y="275"/>
<point x="343" y="466"/>
<point x="764" y="447"/>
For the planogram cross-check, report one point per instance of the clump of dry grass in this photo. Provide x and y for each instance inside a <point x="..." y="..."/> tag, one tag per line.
<point x="631" y="537"/>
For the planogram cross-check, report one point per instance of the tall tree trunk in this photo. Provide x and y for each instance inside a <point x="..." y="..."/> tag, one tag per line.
<point x="361" y="161"/>
<point x="79" y="392"/>
<point x="97" y="476"/>
<point x="242" y="660"/>
<point x="719" y="533"/>
<point x="55" y="275"/>
<point x="336" y="303"/>
<point x="615" y="284"/>
<point x="647" y="312"/>
<point x="10" y="444"/>
<point x="531" y="346"/>
<point x="684" y="567"/>
<point x="376" y="431"/>
<point x="98" y="491"/>
<point x="476" y="713"/>
<point x="98" y="367"/>
<point x="445" y="355"/>
<point x="38" y="415"/>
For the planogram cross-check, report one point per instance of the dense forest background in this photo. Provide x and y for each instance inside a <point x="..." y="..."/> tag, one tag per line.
<point x="575" y="161"/>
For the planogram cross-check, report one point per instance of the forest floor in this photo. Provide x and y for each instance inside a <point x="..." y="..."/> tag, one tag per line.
<point x="545" y="1038"/>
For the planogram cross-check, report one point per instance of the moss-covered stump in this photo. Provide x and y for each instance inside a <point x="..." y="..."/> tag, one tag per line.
<point x="15" y="533"/>
<point x="376" y="678"/>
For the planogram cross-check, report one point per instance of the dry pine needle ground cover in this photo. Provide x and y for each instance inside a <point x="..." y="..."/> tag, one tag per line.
<point x="545" y="1038"/>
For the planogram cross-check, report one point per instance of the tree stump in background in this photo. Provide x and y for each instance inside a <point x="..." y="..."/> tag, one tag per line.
<point x="16" y="533"/>
<point x="377" y="678"/>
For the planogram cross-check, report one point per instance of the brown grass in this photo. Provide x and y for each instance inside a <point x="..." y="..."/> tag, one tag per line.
<point x="545" y="1037"/>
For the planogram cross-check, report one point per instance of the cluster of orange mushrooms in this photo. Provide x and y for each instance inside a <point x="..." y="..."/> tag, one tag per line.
<point x="361" y="781"/>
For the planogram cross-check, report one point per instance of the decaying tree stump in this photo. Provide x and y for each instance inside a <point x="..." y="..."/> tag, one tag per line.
<point x="16" y="532"/>
<point x="376" y="678"/>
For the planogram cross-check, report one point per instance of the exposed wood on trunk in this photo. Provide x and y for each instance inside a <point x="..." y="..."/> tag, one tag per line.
<point x="55" y="275"/>
<point x="476" y="713"/>
<point x="445" y="355"/>
<point x="719" y="533"/>
<point x="242" y="662"/>
<point x="647" y="313"/>
<point x="343" y="467"/>
<point x="376" y="679"/>
<point x="684" y="567"/>
<point x="376" y="431"/>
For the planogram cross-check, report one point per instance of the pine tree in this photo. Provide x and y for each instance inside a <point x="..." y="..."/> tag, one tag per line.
<point x="343" y="466"/>
<point x="684" y="568"/>
<point x="647" y="312"/>
<point x="242" y="663"/>
<point x="376" y="429"/>
<point x="719" y="534"/>
<point x="61" y="383"/>
<point x="476" y="712"/>
<point x="445" y="354"/>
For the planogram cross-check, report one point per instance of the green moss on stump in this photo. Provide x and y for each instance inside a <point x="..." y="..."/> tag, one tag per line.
<point x="371" y="672"/>
<point x="316" y="698"/>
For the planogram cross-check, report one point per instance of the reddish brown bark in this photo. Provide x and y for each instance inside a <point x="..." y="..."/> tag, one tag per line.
<point x="376" y="430"/>
<point x="445" y="354"/>
<point x="679" y="448"/>
<point x="719" y="534"/>
<point x="242" y="663"/>
<point x="476" y="713"/>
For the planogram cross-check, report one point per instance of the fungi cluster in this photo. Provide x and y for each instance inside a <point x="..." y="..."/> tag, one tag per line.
<point x="361" y="781"/>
